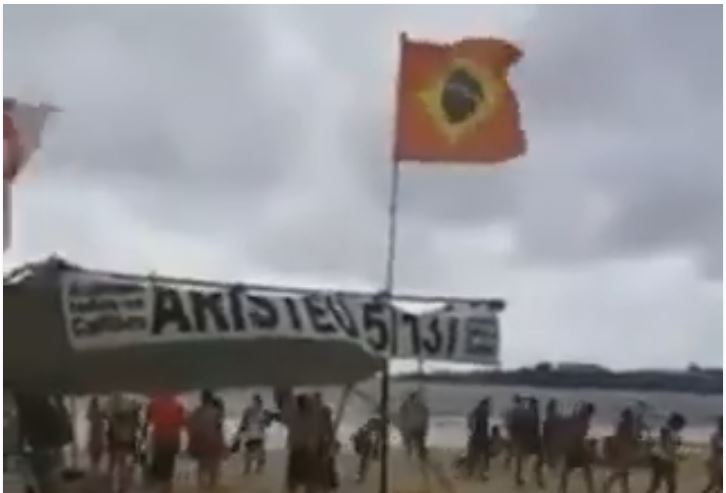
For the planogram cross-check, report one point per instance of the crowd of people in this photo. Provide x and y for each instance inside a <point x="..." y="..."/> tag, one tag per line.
<point x="562" y="443"/>
<point x="125" y="436"/>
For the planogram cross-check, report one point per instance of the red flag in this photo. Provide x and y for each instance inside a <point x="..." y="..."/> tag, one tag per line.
<point x="22" y="128"/>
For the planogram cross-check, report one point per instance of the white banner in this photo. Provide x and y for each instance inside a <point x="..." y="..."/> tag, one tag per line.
<point x="104" y="312"/>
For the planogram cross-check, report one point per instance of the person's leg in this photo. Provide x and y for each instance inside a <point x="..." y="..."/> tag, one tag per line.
<point x="471" y="457"/>
<point x="518" y="458"/>
<point x="587" y="475"/>
<point x="564" y="476"/>
<point x="671" y="478"/>
<point x="248" y="457"/>
<point x="261" y="458"/>
<point x="126" y="471"/>
<point x="538" y="466"/>
<point x="656" y="475"/>
<point x="214" y="470"/>
<point x="485" y="454"/>
<point x="625" y="481"/>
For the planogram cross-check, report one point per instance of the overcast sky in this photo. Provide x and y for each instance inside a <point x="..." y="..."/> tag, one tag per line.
<point x="254" y="143"/>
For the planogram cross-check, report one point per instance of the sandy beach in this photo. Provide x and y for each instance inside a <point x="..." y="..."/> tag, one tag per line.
<point x="406" y="477"/>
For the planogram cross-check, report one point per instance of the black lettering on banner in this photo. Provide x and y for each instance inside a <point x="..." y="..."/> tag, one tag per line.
<point x="235" y="302"/>
<point x="342" y="316"/>
<point x="481" y="336"/>
<point x="375" y="322"/>
<point x="412" y="322"/>
<point x="208" y="302"/>
<point x="263" y="314"/>
<point x="453" y="338"/>
<point x="292" y="310"/>
<point x="317" y="313"/>
<point x="432" y="345"/>
<point x="169" y="309"/>
<point x="79" y="328"/>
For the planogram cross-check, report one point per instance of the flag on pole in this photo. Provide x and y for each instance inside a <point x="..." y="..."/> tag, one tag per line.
<point x="455" y="103"/>
<point x="22" y="128"/>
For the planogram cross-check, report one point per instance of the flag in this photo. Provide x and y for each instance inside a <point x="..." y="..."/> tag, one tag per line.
<point x="455" y="103"/>
<point x="22" y="127"/>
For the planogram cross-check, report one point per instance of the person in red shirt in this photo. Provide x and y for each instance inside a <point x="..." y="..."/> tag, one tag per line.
<point x="166" y="417"/>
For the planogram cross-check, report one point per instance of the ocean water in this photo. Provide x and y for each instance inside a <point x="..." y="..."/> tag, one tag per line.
<point x="450" y="403"/>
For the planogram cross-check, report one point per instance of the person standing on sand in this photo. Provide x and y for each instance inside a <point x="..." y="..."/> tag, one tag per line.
<point x="528" y="442"/>
<point x="715" y="460"/>
<point x="166" y="417"/>
<point x="255" y="420"/>
<point x="297" y="414"/>
<point x="550" y="434"/>
<point x="366" y="443"/>
<point x="577" y="452"/>
<point x="123" y="428"/>
<point x="478" y="449"/>
<point x="96" y="432"/>
<point x="512" y="422"/>
<point x="44" y="429"/>
<point x="414" y="424"/>
<point x="664" y="457"/>
<point x="206" y="441"/>
<point x="621" y="450"/>
<point x="326" y="444"/>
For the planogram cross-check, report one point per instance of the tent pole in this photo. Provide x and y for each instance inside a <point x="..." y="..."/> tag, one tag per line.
<point x="383" y="486"/>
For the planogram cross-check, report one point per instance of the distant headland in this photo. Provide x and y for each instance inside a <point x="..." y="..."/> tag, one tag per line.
<point x="694" y="379"/>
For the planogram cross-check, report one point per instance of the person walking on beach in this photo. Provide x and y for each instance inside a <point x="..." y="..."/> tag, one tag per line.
<point x="366" y="444"/>
<point x="326" y="445"/>
<point x="512" y="423"/>
<point x="528" y="441"/>
<point x="414" y="424"/>
<point x="664" y="457"/>
<point x="478" y="450"/>
<point x="254" y="422"/>
<point x="550" y="434"/>
<point x="715" y="460"/>
<point x="621" y="451"/>
<point x="96" y="433"/>
<point x="123" y="428"/>
<point x="166" y="417"/>
<point x="44" y="429"/>
<point x="206" y="440"/>
<point x="578" y="452"/>
<point x="297" y="414"/>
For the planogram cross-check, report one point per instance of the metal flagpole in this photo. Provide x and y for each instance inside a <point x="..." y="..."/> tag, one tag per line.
<point x="389" y="282"/>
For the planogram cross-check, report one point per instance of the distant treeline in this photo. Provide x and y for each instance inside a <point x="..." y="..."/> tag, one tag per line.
<point x="693" y="380"/>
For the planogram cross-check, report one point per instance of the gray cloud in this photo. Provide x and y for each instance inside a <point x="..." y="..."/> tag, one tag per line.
<point x="254" y="142"/>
